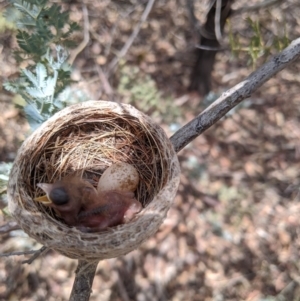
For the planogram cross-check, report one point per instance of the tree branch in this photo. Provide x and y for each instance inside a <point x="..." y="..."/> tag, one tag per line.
<point x="36" y="254"/>
<point x="234" y="96"/>
<point x="218" y="29"/>
<point x="86" y="35"/>
<point x="18" y="253"/>
<point x="195" y="24"/>
<point x="83" y="282"/>
<point x="210" y="35"/>
<point x="134" y="34"/>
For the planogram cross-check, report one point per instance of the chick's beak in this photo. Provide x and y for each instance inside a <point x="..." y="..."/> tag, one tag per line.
<point x="44" y="199"/>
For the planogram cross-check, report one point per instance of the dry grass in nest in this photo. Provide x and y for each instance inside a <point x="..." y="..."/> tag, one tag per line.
<point x="90" y="145"/>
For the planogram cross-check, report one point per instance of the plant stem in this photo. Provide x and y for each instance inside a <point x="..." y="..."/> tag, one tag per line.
<point x="82" y="286"/>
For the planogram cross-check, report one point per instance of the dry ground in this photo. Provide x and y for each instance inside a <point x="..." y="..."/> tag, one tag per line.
<point x="234" y="230"/>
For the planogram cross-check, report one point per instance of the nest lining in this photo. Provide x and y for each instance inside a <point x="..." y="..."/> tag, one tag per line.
<point x="90" y="146"/>
<point x="87" y="138"/>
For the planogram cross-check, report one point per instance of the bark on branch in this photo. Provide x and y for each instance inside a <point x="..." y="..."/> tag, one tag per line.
<point x="209" y="43"/>
<point x="82" y="286"/>
<point x="234" y="96"/>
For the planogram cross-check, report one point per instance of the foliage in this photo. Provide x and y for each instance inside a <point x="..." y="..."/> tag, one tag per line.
<point x="40" y="88"/>
<point x="256" y="46"/>
<point x="39" y="27"/>
<point x="5" y="24"/>
<point x="140" y="90"/>
<point x="43" y="35"/>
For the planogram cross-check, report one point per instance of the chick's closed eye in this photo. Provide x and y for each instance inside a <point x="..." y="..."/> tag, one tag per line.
<point x="59" y="196"/>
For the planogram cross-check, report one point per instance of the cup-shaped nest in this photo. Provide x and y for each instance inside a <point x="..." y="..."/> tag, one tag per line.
<point x="87" y="138"/>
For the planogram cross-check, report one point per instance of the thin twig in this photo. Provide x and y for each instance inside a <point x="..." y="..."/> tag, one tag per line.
<point x="134" y="34"/>
<point x="114" y="30"/>
<point x="234" y="96"/>
<point x="218" y="21"/>
<point x="195" y="24"/>
<point x="122" y="288"/>
<point x="83" y="282"/>
<point x="36" y="254"/>
<point x="209" y="48"/>
<point x="18" y="253"/>
<point x="106" y="85"/>
<point x="99" y="38"/>
<point x="86" y="36"/>
<point x="8" y="227"/>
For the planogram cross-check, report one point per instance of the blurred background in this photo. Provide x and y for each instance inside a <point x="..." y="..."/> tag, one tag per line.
<point x="233" y="232"/>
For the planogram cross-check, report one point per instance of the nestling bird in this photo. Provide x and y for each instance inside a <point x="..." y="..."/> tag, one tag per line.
<point x="80" y="204"/>
<point x="117" y="207"/>
<point x="68" y="197"/>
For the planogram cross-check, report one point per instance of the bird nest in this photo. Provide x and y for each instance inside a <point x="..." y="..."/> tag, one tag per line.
<point x="87" y="138"/>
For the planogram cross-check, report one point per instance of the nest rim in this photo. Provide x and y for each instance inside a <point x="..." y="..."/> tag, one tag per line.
<point x="114" y="241"/>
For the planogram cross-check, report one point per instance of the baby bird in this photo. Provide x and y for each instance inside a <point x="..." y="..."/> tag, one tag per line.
<point x="80" y="204"/>
<point x="117" y="207"/>
<point x="68" y="197"/>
